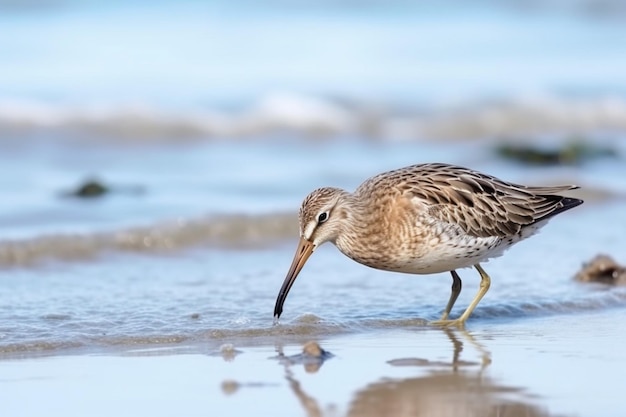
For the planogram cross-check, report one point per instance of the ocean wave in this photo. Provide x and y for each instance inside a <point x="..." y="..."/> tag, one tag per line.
<point x="299" y="330"/>
<point x="227" y="231"/>
<point x="315" y="117"/>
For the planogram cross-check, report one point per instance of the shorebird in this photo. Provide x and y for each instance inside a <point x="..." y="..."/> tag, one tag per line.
<point x="425" y="219"/>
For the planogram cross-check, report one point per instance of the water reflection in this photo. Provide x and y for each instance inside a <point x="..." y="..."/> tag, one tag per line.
<point x="312" y="358"/>
<point x="454" y="388"/>
<point x="457" y="348"/>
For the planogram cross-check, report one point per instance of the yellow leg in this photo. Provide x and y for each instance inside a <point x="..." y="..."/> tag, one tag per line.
<point x="485" y="282"/>
<point x="454" y="294"/>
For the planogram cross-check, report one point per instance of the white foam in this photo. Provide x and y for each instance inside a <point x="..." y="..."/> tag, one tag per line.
<point x="311" y="116"/>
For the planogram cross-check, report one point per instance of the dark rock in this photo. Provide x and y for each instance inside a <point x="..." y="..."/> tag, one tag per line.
<point x="90" y="188"/>
<point x="93" y="188"/>
<point x="604" y="269"/>
<point x="574" y="152"/>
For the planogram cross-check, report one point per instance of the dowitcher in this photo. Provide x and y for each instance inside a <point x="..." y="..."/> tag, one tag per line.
<point x="425" y="219"/>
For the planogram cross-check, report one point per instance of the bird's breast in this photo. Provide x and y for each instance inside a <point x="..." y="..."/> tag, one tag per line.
<point x="424" y="254"/>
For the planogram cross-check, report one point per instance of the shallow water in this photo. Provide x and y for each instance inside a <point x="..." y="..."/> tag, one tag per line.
<point x="191" y="181"/>
<point x="209" y="142"/>
<point x="202" y="252"/>
<point x="541" y="366"/>
<point x="221" y="295"/>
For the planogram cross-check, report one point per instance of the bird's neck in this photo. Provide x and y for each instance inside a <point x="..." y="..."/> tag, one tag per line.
<point x="354" y="215"/>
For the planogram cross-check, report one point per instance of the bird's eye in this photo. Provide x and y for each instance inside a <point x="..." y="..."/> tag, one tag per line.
<point x="322" y="217"/>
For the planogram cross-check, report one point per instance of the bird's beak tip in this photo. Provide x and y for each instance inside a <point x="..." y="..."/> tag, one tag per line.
<point x="304" y="250"/>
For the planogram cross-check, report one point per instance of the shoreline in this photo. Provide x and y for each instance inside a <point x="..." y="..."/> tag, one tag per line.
<point x="394" y="372"/>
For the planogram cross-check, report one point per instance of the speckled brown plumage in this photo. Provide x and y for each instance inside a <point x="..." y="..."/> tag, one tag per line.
<point x="425" y="219"/>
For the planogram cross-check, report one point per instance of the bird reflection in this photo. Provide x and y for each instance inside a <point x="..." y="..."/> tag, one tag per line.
<point x="452" y="388"/>
<point x="312" y="358"/>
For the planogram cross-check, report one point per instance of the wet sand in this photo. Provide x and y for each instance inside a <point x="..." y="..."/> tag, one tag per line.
<point x="559" y="365"/>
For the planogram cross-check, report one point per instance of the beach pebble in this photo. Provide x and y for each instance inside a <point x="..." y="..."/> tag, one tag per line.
<point x="89" y="188"/>
<point x="312" y="357"/>
<point x="602" y="268"/>
<point x="228" y="351"/>
<point x="230" y="386"/>
<point x="575" y="151"/>
<point x="314" y="350"/>
<point x="227" y="348"/>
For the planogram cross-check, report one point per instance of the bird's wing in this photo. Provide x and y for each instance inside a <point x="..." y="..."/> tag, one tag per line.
<point x="482" y="205"/>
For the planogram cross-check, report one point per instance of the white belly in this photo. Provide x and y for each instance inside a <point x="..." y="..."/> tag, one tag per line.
<point x="445" y="256"/>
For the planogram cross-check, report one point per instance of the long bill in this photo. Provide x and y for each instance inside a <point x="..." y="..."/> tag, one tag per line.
<point x="305" y="249"/>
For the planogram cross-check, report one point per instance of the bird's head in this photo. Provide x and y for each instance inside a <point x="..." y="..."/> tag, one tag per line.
<point x="322" y="219"/>
<point x="321" y="216"/>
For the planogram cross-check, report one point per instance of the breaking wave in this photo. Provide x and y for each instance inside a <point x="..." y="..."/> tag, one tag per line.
<point x="233" y="231"/>
<point x="314" y="117"/>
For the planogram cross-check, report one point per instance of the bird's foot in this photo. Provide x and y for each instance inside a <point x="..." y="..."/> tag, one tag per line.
<point x="448" y="323"/>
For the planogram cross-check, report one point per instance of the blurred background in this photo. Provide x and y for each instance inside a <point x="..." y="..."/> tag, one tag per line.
<point x="195" y="129"/>
<point x="174" y="110"/>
